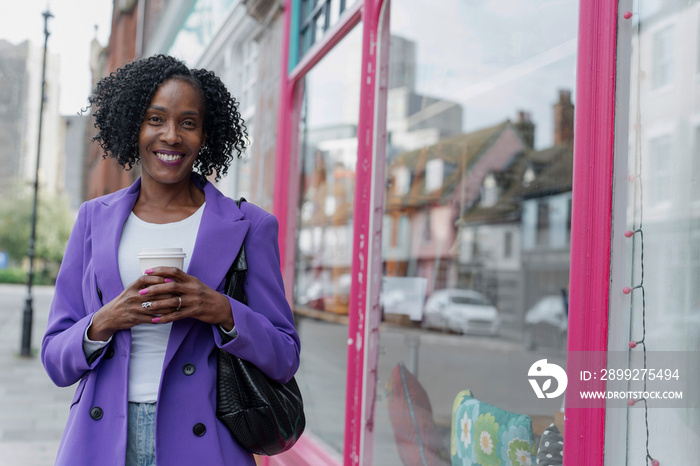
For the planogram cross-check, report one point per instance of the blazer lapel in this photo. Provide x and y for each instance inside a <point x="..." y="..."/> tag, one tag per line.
<point x="220" y="236"/>
<point x="108" y="223"/>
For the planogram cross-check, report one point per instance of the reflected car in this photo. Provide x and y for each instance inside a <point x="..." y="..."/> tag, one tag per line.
<point x="461" y="311"/>
<point x="546" y="324"/>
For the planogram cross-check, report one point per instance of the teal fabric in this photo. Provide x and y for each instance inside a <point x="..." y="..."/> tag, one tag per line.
<point x="485" y="435"/>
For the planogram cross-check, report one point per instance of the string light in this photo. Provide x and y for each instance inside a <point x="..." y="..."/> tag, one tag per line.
<point x="635" y="234"/>
<point x="634" y="343"/>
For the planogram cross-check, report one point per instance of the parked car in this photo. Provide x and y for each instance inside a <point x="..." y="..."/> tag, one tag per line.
<point x="546" y="323"/>
<point x="462" y="311"/>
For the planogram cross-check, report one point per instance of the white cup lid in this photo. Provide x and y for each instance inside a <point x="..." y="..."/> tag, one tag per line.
<point x="162" y="252"/>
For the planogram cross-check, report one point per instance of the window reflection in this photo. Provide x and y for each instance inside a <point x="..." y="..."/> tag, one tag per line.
<point x="663" y="155"/>
<point x="202" y="21"/>
<point x="328" y="154"/>
<point x="316" y="17"/>
<point x="477" y="224"/>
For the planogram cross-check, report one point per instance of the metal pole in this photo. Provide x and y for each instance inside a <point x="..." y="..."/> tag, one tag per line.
<point x="28" y="309"/>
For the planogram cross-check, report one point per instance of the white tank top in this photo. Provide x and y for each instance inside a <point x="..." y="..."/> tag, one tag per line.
<point x="149" y="341"/>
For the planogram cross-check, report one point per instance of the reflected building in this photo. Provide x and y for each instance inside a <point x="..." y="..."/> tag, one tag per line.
<point x="325" y="219"/>
<point x="325" y="225"/>
<point x="415" y="120"/>
<point x="666" y="151"/>
<point x="485" y="211"/>
<point x="515" y="241"/>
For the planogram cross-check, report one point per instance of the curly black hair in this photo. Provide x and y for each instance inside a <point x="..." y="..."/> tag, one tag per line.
<point x="122" y="98"/>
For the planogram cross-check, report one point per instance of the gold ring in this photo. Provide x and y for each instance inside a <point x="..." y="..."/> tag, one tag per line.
<point x="179" y="306"/>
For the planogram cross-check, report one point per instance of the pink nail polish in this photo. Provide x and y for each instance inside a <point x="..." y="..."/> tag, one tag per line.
<point x="168" y="280"/>
<point x="155" y="320"/>
<point x="143" y="291"/>
<point x="148" y="271"/>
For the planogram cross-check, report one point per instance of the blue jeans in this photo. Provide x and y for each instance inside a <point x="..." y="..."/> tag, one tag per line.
<point x="141" y="435"/>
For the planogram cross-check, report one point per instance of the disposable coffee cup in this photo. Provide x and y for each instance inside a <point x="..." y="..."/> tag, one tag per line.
<point x="161" y="257"/>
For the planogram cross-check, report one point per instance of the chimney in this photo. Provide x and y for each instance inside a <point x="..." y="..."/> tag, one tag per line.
<point x="564" y="119"/>
<point x="526" y="128"/>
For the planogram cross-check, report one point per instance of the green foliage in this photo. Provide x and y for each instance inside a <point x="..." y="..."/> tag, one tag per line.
<point x="13" y="276"/>
<point x="19" y="276"/>
<point x="54" y="223"/>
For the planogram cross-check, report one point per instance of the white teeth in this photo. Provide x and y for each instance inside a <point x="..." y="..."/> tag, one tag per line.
<point x="168" y="157"/>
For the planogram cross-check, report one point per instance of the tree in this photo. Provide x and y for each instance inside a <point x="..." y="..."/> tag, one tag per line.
<point x="53" y="227"/>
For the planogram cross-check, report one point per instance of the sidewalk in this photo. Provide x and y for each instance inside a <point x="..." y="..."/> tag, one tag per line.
<point x="33" y="411"/>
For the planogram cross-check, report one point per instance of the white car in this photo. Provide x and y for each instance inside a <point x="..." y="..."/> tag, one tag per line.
<point x="546" y="324"/>
<point x="462" y="311"/>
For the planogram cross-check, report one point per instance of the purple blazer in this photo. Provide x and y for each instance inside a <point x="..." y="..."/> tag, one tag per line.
<point x="187" y="430"/>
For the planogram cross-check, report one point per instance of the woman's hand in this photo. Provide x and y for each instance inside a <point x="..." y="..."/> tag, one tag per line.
<point x="162" y="295"/>
<point x="177" y="295"/>
<point x="125" y="311"/>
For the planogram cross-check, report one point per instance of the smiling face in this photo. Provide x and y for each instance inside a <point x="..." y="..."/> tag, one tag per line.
<point x="171" y="133"/>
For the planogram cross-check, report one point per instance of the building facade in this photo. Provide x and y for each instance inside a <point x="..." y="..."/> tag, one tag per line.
<point x="20" y="98"/>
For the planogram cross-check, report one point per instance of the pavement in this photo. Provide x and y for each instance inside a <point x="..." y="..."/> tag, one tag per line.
<point x="33" y="411"/>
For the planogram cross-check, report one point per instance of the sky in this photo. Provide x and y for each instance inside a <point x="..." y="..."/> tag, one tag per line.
<point x="71" y="30"/>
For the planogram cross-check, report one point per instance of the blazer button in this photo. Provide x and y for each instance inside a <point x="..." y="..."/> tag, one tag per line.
<point x="96" y="413"/>
<point x="188" y="369"/>
<point x="199" y="429"/>
<point x="110" y="353"/>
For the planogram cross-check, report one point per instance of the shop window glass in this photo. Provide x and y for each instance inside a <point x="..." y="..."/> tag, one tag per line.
<point x="328" y="153"/>
<point x="660" y="173"/>
<point x="662" y="155"/>
<point x="479" y="161"/>
<point x="662" y="72"/>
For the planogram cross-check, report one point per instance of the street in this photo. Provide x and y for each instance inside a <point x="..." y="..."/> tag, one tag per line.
<point x="33" y="411"/>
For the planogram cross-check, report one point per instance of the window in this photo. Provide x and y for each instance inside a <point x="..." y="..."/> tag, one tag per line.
<point x="662" y="68"/>
<point x="663" y="139"/>
<point x="317" y="16"/>
<point x="489" y="191"/>
<point x="427" y="225"/>
<point x="660" y="174"/>
<point x="508" y="244"/>
<point x="8" y="90"/>
<point x="248" y="75"/>
<point x="327" y="147"/>
<point x="695" y="167"/>
<point x="542" y="223"/>
<point x="479" y="208"/>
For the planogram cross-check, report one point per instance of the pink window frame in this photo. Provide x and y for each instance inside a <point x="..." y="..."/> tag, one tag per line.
<point x="591" y="222"/>
<point x="363" y="318"/>
<point x="589" y="282"/>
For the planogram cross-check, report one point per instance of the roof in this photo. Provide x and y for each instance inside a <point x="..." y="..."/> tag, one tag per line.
<point x="553" y="171"/>
<point x="461" y="153"/>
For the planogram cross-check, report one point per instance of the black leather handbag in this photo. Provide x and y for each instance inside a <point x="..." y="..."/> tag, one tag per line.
<point x="265" y="417"/>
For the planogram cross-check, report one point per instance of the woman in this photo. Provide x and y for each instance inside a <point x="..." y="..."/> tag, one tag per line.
<point x="143" y="346"/>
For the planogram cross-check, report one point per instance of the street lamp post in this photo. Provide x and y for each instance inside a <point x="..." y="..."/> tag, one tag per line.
<point x="28" y="308"/>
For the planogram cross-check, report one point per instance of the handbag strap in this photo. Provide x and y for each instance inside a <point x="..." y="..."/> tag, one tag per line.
<point x="236" y="274"/>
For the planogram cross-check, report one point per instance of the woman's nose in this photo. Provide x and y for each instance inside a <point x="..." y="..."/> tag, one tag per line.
<point x="170" y="133"/>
